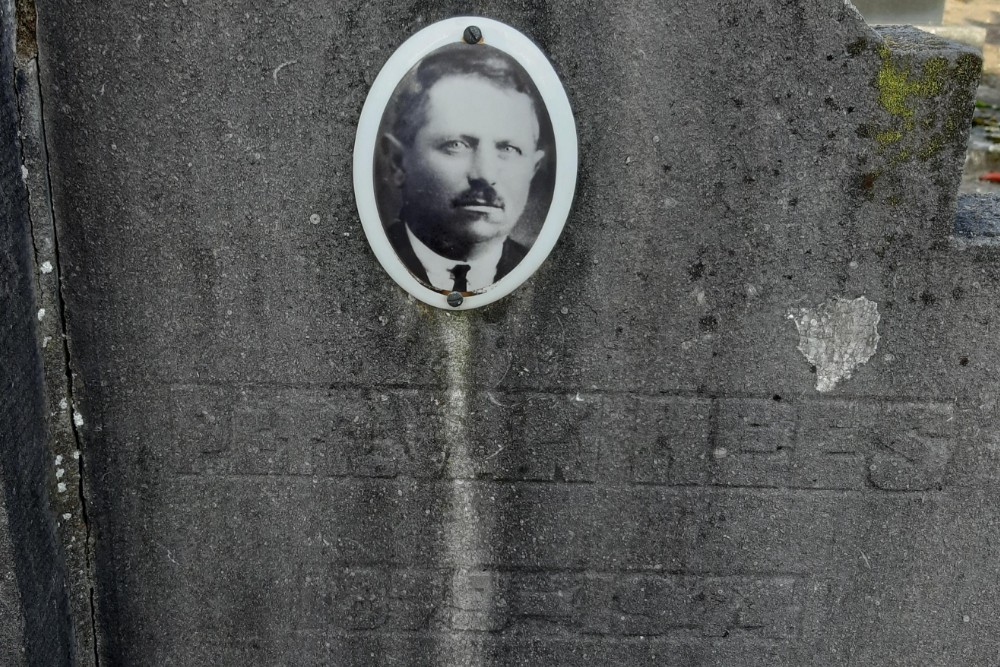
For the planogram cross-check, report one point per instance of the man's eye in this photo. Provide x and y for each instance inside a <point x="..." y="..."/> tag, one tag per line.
<point x="454" y="146"/>
<point x="509" y="149"/>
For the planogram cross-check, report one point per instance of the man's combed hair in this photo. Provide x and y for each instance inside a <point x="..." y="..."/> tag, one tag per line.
<point x="459" y="59"/>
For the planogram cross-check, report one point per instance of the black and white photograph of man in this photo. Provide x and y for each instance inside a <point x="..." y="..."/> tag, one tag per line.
<point x="464" y="167"/>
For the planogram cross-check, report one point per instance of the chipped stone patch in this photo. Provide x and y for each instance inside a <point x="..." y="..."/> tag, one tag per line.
<point x="837" y="336"/>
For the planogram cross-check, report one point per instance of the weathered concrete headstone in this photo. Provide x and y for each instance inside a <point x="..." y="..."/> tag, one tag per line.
<point x="743" y="414"/>
<point x="35" y="625"/>
<point x="914" y="12"/>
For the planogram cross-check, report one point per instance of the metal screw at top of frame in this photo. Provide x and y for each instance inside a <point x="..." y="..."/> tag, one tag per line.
<point x="472" y="35"/>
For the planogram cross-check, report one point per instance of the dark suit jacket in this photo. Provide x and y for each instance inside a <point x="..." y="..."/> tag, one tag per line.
<point x="513" y="253"/>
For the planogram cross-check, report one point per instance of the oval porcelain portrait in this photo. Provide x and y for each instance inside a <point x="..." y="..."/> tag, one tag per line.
<point x="465" y="162"/>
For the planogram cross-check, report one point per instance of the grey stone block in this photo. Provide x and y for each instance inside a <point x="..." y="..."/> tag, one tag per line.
<point x="35" y="623"/>
<point x="978" y="219"/>
<point x="12" y="648"/>
<point x="627" y="461"/>
<point x="909" y="12"/>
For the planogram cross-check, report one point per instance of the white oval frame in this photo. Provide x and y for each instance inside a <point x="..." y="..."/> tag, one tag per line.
<point x="531" y="58"/>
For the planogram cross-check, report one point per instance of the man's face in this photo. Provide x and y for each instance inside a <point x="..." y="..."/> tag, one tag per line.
<point x="467" y="175"/>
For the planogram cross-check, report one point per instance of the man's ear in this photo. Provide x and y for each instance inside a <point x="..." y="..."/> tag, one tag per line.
<point x="394" y="151"/>
<point x="538" y="161"/>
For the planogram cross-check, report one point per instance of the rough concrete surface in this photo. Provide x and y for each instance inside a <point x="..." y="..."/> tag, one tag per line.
<point x="35" y="624"/>
<point x="627" y="461"/>
<point x="17" y="338"/>
<point x="12" y="650"/>
<point x="61" y="450"/>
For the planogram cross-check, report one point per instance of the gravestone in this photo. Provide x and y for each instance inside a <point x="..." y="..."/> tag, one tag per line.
<point x="35" y="625"/>
<point x="743" y="414"/>
<point x="894" y="12"/>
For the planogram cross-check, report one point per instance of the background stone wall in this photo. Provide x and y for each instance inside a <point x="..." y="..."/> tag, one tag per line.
<point x="629" y="460"/>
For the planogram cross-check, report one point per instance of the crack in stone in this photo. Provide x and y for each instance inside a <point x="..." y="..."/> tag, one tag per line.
<point x="30" y="71"/>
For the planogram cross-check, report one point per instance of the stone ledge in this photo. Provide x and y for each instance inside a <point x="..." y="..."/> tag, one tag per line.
<point x="977" y="221"/>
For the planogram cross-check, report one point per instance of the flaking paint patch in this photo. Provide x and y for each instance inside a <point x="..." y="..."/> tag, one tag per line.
<point x="836" y="337"/>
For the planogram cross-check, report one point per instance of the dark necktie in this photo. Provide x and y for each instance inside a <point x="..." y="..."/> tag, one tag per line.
<point x="458" y="272"/>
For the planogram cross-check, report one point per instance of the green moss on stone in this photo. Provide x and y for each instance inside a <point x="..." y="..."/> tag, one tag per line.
<point x="857" y="47"/>
<point x="897" y="84"/>
<point x="968" y="69"/>
<point x="932" y="147"/>
<point x="934" y="71"/>
<point x="901" y="156"/>
<point x="887" y="137"/>
<point x="928" y="102"/>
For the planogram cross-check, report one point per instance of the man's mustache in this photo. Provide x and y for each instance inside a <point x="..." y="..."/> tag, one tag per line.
<point x="485" y="196"/>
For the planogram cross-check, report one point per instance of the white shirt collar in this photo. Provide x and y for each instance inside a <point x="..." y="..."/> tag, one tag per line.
<point x="482" y="270"/>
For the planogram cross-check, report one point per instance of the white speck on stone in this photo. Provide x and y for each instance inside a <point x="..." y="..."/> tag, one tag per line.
<point x="46" y="267"/>
<point x="41" y="314"/>
<point x="60" y="472"/>
<point x="24" y="173"/>
<point x="314" y="218"/>
<point x="59" y="459"/>
<point x="77" y="418"/>
<point x="280" y="67"/>
<point x="836" y="337"/>
<point x="656" y="139"/>
<point x="67" y="516"/>
<point x="46" y="340"/>
<point x="76" y="454"/>
<point x="720" y="453"/>
<point x="61" y="486"/>
<point x="966" y="619"/>
<point x="63" y="404"/>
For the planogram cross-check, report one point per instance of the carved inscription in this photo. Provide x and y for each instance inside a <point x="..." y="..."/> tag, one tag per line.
<point x="890" y="446"/>
<point x="583" y="438"/>
<point x="650" y="605"/>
